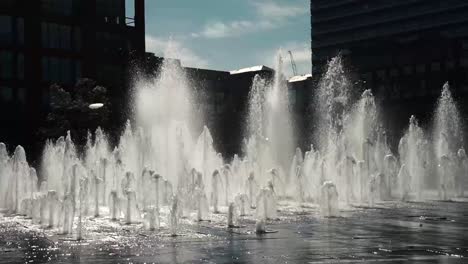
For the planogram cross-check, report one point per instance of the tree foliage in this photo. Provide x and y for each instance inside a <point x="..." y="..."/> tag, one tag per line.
<point x="69" y="110"/>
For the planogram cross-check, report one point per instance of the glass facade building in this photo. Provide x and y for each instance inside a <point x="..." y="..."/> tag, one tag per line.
<point x="45" y="42"/>
<point x="404" y="50"/>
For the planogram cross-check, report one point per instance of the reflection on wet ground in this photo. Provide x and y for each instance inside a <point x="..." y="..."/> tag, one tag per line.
<point x="390" y="233"/>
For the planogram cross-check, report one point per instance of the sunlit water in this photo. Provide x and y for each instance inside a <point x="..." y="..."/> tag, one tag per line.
<point x="165" y="176"/>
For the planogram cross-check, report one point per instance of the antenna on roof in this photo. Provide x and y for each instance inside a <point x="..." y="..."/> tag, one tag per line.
<point x="293" y="63"/>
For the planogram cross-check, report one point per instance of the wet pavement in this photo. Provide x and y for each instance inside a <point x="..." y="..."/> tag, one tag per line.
<point x="433" y="232"/>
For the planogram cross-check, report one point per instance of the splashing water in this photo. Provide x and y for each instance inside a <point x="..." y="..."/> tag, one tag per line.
<point x="161" y="173"/>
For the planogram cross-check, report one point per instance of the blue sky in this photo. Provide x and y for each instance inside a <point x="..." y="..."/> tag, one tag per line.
<point x="230" y="34"/>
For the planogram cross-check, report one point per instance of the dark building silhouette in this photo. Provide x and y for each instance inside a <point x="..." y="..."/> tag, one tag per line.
<point x="223" y="98"/>
<point x="403" y="49"/>
<point x="43" y="42"/>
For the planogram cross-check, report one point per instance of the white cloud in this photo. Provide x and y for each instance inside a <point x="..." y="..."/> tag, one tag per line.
<point x="269" y="15"/>
<point x="171" y="48"/>
<point x="276" y="11"/>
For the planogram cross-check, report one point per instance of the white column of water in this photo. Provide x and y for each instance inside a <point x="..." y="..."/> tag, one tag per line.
<point x="412" y="150"/>
<point x="448" y="139"/>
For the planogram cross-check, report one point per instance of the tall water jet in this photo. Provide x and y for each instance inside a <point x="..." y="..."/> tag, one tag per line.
<point x="279" y="127"/>
<point x="413" y="153"/>
<point x="114" y="206"/>
<point x="462" y="171"/>
<point x="233" y="215"/>
<point x="266" y="204"/>
<point x="404" y="180"/>
<point x="67" y="215"/>
<point x="174" y="215"/>
<point x="332" y="103"/>
<point x="448" y="138"/>
<point x="252" y="189"/>
<point x="165" y="109"/>
<point x="329" y="200"/>
<point x="242" y="202"/>
<point x="152" y="218"/>
<point x="270" y="138"/>
<point x="5" y="172"/>
<point x="217" y="186"/>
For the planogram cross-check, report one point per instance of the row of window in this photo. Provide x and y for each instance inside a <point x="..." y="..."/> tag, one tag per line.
<point x="11" y="65"/>
<point x="408" y="70"/>
<point x="419" y="88"/>
<point x="11" y="30"/>
<point x="57" y="7"/>
<point x="61" y="70"/>
<point x="7" y="94"/>
<point x="55" y="36"/>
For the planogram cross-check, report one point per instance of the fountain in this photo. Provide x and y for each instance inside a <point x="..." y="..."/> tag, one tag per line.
<point x="448" y="138"/>
<point x="165" y="171"/>
<point x="329" y="200"/>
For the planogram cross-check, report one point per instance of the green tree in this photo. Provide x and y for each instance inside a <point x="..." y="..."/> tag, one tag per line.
<point x="69" y="111"/>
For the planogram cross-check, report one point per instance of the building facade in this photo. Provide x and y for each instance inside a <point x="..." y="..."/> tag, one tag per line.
<point x="46" y="42"/>
<point x="404" y="50"/>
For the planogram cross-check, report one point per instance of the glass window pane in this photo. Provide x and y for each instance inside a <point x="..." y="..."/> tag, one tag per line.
<point x="20" y="30"/>
<point x="45" y="69"/>
<point x="77" y="70"/>
<point x="6" y="93"/>
<point x="54" y="69"/>
<point x="53" y="36"/>
<point x="67" y="37"/>
<point x="44" y="33"/>
<point x="20" y="66"/>
<point x="22" y="95"/>
<point x="77" y="38"/>
<point x="5" y="29"/>
<point x="6" y="64"/>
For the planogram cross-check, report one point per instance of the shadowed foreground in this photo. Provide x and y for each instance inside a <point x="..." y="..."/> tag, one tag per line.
<point x="392" y="232"/>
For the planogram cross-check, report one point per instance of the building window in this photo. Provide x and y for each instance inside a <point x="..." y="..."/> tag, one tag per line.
<point x="394" y="73"/>
<point x="77" y="38"/>
<point x="435" y="66"/>
<point x="109" y="74"/>
<point x="57" y="7"/>
<point x="6" y="93"/>
<point x="56" y="36"/>
<point x="450" y="64"/>
<point x="111" y="11"/>
<point x="6" y="30"/>
<point x="6" y="65"/>
<point x="6" y="3"/>
<point x="77" y="70"/>
<point x="421" y="68"/>
<point x="109" y="42"/>
<point x="57" y="70"/>
<point x="464" y="62"/>
<point x="381" y="74"/>
<point x="20" y="30"/>
<point x="22" y="95"/>
<point x="422" y="88"/>
<point x="408" y="70"/>
<point x="20" y="66"/>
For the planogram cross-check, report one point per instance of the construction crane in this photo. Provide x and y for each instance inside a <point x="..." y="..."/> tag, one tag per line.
<point x="293" y="63"/>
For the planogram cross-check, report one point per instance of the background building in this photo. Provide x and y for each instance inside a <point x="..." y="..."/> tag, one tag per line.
<point x="403" y="49"/>
<point x="43" y="42"/>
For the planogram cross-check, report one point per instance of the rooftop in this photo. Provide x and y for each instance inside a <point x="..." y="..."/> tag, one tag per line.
<point x="252" y="69"/>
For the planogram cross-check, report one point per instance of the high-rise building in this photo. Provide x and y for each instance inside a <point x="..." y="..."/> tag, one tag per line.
<point x="43" y="42"/>
<point x="403" y="49"/>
